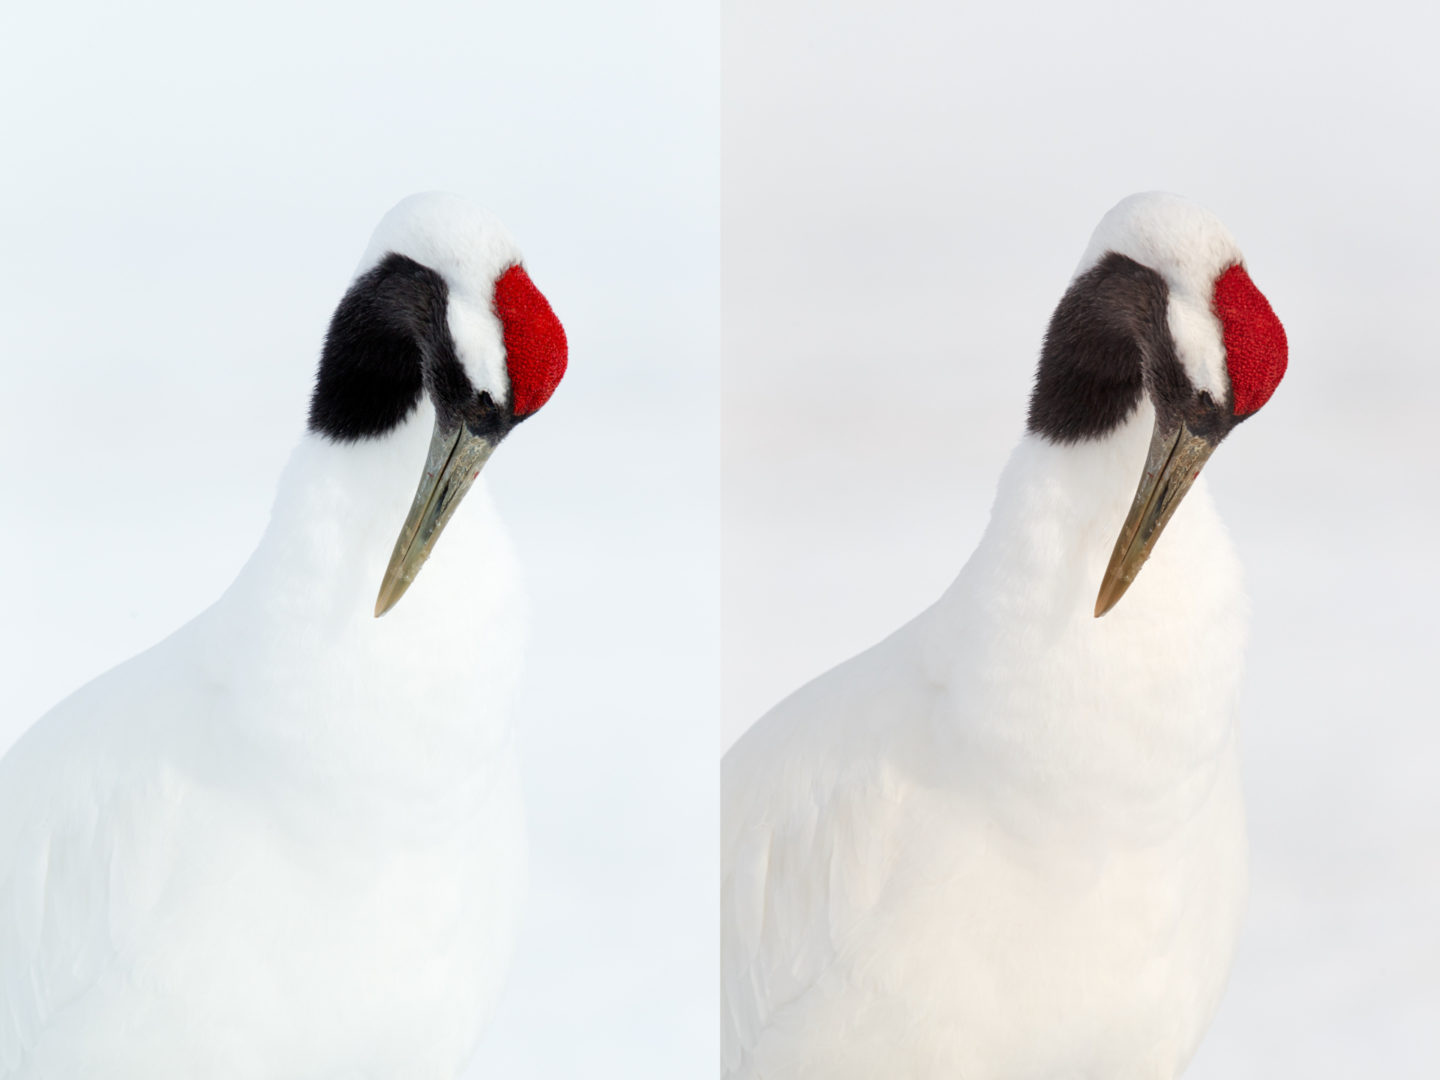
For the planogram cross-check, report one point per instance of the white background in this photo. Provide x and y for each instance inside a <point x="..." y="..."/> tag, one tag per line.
<point x="908" y="186"/>
<point x="185" y="191"/>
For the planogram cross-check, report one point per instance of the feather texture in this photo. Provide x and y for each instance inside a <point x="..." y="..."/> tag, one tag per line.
<point x="287" y="841"/>
<point x="1007" y="841"/>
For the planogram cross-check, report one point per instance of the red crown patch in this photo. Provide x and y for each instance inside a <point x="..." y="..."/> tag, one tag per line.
<point x="535" y="348"/>
<point x="1256" y="352"/>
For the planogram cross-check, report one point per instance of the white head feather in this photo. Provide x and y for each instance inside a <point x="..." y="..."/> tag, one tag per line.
<point x="470" y="249"/>
<point x="1190" y="248"/>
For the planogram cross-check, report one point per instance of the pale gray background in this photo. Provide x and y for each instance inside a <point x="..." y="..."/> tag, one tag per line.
<point x="908" y="187"/>
<point x="184" y="194"/>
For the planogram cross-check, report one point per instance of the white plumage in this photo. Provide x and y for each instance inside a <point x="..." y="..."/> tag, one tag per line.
<point x="286" y="842"/>
<point x="1008" y="841"/>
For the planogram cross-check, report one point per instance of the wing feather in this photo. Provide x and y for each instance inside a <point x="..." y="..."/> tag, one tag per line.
<point x="807" y="803"/>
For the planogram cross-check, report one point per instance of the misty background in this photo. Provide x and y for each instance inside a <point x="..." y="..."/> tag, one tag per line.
<point x="186" y="191"/>
<point x="907" y="189"/>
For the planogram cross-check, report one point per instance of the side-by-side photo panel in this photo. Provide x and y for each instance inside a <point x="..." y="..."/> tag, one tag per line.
<point x="1076" y="591"/>
<point x="361" y="649"/>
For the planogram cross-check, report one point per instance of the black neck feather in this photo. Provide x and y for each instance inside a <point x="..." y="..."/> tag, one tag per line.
<point x="1108" y="334"/>
<point x="388" y="328"/>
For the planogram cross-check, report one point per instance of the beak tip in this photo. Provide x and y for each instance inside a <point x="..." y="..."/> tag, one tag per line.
<point x="1107" y="599"/>
<point x="1172" y="463"/>
<point x="452" y="464"/>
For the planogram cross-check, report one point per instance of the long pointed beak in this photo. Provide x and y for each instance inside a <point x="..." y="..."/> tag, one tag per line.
<point x="1174" y="461"/>
<point x="451" y="466"/>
